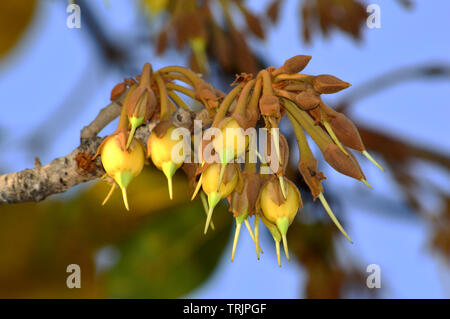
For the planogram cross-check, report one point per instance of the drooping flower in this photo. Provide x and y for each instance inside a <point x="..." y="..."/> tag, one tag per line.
<point x="160" y="149"/>
<point x="210" y="179"/>
<point x="278" y="212"/>
<point x="122" y="165"/>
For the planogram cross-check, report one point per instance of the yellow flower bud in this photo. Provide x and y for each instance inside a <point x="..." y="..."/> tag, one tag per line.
<point x="278" y="210"/>
<point x="288" y="208"/>
<point x="233" y="145"/>
<point x="160" y="149"/>
<point x="122" y="165"/>
<point x="210" y="179"/>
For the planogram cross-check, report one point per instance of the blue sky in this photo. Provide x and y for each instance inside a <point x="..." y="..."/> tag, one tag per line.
<point x="52" y="58"/>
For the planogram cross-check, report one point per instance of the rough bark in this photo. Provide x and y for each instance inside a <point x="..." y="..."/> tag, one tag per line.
<point x="36" y="184"/>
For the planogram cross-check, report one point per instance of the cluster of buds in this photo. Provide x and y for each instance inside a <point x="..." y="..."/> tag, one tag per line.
<point x="231" y="170"/>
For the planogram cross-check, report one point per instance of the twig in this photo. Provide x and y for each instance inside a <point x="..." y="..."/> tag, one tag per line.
<point x="61" y="174"/>
<point x="106" y="115"/>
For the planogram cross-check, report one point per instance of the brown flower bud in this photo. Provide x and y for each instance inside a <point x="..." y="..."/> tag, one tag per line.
<point x="254" y="182"/>
<point x="302" y="86"/>
<point x="355" y="161"/>
<point x="142" y="103"/>
<point x="307" y="100"/>
<point x="244" y="202"/>
<point x="296" y="64"/>
<point x="269" y="105"/>
<point x="344" y="164"/>
<point x="327" y="84"/>
<point x="346" y="132"/>
<point x="118" y="90"/>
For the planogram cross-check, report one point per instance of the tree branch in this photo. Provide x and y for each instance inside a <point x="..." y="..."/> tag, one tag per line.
<point x="61" y="174"/>
<point x="34" y="185"/>
<point x="106" y="116"/>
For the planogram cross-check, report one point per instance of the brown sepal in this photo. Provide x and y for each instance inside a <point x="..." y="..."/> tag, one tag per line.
<point x="230" y="170"/>
<point x="344" y="164"/>
<point x="206" y="93"/>
<point x="328" y="84"/>
<point x="251" y="188"/>
<point x="295" y="64"/>
<point x="275" y="191"/>
<point x="238" y="203"/>
<point x="296" y="87"/>
<point x="346" y="132"/>
<point x="307" y="100"/>
<point x="284" y="152"/>
<point x="162" y="127"/>
<point x="118" y="90"/>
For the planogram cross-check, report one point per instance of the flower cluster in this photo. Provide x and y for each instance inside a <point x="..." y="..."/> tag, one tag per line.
<point x="251" y="187"/>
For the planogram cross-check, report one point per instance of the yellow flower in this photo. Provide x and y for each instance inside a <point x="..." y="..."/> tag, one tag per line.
<point x="160" y="150"/>
<point x="122" y="165"/>
<point x="232" y="144"/>
<point x="278" y="212"/>
<point x="210" y="180"/>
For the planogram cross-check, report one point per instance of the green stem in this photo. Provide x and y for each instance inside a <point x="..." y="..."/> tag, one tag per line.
<point x="164" y="98"/>
<point x="182" y="89"/>
<point x="205" y="207"/>
<point x="317" y="134"/>
<point x="253" y="104"/>
<point x="223" y="108"/>
<point x="194" y="78"/>
<point x="293" y="77"/>
<point x="123" y="121"/>
<point x="267" y="82"/>
<point x="178" y="101"/>
<point x="243" y="98"/>
<point x="303" y="146"/>
<point x="179" y="77"/>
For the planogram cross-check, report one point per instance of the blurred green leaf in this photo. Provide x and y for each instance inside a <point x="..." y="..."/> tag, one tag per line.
<point x="163" y="251"/>
<point x="169" y="256"/>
